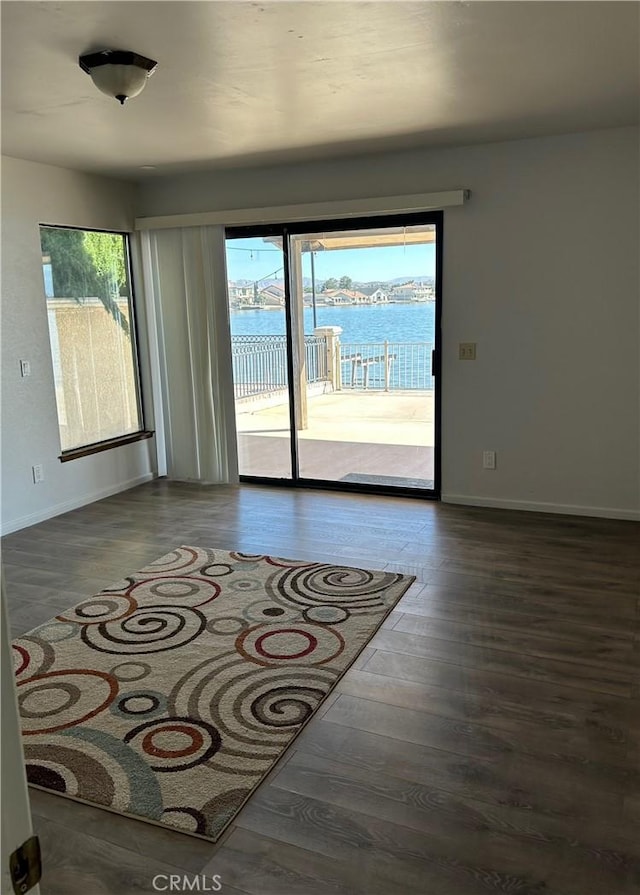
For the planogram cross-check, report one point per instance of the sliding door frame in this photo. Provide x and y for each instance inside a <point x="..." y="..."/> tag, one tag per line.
<point x="434" y="218"/>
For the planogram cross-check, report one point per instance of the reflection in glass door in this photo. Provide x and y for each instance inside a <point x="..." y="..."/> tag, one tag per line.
<point x="335" y="331"/>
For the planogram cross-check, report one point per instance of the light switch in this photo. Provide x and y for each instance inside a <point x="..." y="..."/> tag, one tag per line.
<point x="467" y="351"/>
<point x="25" y="368"/>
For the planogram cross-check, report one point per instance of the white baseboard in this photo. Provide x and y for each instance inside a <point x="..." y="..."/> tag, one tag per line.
<point x="60" y="508"/>
<point x="541" y="507"/>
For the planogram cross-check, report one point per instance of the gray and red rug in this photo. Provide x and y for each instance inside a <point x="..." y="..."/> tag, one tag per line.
<point x="171" y="695"/>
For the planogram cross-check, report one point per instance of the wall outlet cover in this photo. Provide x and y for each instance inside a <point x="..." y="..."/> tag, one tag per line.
<point x="489" y="459"/>
<point x="467" y="351"/>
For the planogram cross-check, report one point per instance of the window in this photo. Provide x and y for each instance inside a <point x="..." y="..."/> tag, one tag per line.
<point x="92" y="335"/>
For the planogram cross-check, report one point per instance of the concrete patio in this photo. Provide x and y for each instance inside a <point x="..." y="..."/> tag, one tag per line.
<point x="373" y="437"/>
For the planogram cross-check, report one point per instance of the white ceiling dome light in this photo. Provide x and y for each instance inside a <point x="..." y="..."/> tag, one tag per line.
<point x="118" y="73"/>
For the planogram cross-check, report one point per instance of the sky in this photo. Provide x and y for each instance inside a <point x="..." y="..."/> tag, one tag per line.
<point x="253" y="259"/>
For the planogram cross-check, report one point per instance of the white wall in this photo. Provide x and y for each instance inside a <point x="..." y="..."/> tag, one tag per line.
<point x="34" y="194"/>
<point x="541" y="270"/>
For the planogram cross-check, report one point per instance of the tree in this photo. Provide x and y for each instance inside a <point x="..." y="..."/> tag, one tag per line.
<point x="331" y="283"/>
<point x="346" y="282"/>
<point x="86" y="264"/>
<point x="106" y="252"/>
<point x="72" y="271"/>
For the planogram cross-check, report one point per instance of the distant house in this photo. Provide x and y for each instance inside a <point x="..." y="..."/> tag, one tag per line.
<point x="239" y="293"/>
<point x="357" y="297"/>
<point x="344" y="297"/>
<point x="424" y="292"/>
<point x="405" y="291"/>
<point x="271" y="296"/>
<point x="375" y="295"/>
<point x="335" y="297"/>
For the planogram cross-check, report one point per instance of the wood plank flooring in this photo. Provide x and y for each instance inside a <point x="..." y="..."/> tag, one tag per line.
<point x="486" y="741"/>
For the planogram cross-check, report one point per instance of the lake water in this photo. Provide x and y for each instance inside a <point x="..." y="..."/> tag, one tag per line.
<point x="360" y="323"/>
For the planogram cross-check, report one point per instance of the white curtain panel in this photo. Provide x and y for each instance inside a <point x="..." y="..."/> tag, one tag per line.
<point x="186" y="286"/>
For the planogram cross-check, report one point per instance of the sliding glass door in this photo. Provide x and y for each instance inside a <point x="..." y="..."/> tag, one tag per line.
<point x="335" y="331"/>
<point x="255" y="270"/>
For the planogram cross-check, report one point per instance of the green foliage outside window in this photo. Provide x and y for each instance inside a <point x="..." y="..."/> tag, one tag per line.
<point x="87" y="264"/>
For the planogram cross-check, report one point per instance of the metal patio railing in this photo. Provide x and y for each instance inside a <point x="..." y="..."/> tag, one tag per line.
<point x="391" y="366"/>
<point x="260" y="364"/>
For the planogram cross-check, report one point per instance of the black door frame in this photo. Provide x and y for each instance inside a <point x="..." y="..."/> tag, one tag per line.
<point x="286" y="230"/>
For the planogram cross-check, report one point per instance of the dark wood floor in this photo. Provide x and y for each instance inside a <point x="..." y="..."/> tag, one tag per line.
<point x="487" y="740"/>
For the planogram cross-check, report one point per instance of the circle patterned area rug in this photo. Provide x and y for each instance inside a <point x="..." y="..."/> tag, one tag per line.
<point x="171" y="695"/>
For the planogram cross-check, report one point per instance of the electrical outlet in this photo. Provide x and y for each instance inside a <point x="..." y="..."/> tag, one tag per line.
<point x="38" y="473"/>
<point x="488" y="459"/>
<point x="25" y="368"/>
<point x="467" y="351"/>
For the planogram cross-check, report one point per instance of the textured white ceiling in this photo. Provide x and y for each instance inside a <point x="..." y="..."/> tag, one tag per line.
<point x="243" y="83"/>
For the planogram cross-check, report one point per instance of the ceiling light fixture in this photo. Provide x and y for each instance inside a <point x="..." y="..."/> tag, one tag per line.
<point x="118" y="73"/>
